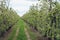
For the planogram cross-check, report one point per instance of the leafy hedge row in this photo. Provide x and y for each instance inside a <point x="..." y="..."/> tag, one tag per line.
<point x="8" y="17"/>
<point x="47" y="23"/>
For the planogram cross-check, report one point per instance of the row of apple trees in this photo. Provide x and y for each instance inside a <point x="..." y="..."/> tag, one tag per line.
<point x="45" y="18"/>
<point x="8" y="17"/>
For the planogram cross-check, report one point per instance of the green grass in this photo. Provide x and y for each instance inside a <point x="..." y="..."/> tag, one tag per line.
<point x="21" y="34"/>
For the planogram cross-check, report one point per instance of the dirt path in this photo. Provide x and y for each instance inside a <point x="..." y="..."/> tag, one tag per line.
<point x="6" y="35"/>
<point x="27" y="34"/>
<point x="16" y="34"/>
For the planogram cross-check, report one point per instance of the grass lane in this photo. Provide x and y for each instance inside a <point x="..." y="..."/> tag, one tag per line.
<point x="21" y="35"/>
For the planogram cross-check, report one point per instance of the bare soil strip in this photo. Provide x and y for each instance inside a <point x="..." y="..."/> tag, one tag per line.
<point x="27" y="34"/>
<point x="16" y="34"/>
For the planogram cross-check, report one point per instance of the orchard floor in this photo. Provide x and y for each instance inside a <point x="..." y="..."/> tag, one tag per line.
<point x="17" y="32"/>
<point x="21" y="31"/>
